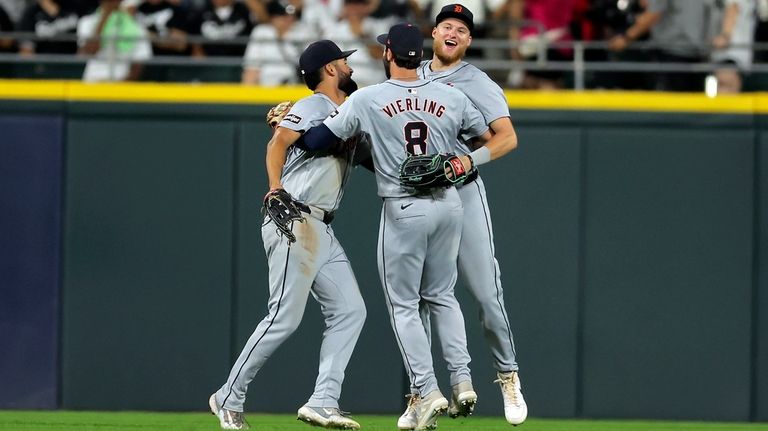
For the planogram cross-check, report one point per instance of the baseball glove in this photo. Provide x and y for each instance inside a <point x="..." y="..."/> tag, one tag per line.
<point x="281" y="208"/>
<point x="432" y="171"/>
<point x="277" y="112"/>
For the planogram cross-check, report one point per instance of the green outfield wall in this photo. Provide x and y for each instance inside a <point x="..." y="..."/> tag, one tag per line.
<point x="631" y="231"/>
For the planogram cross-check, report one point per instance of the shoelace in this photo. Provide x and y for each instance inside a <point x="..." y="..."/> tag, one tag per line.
<point x="413" y="401"/>
<point x="236" y="418"/>
<point x="508" y="386"/>
<point x="343" y="413"/>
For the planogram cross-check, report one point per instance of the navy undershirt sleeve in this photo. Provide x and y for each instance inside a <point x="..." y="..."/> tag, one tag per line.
<point x="317" y="138"/>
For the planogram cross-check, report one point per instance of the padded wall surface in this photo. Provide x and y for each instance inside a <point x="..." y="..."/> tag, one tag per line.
<point x="30" y="243"/>
<point x="626" y="243"/>
<point x="668" y="273"/>
<point x="148" y="269"/>
<point x="761" y="288"/>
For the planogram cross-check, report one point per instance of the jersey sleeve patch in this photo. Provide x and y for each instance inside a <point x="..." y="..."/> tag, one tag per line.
<point x="292" y="118"/>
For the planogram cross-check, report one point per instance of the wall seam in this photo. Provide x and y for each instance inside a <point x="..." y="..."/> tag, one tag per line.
<point x="581" y="273"/>
<point x="235" y="252"/>
<point x="755" y="305"/>
<point x="65" y="119"/>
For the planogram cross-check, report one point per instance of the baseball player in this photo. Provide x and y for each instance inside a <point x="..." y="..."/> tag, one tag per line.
<point x="419" y="233"/>
<point x="478" y="266"/>
<point x="315" y="262"/>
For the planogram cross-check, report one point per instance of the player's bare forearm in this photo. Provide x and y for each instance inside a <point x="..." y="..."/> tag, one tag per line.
<point x="277" y="152"/>
<point x="501" y="139"/>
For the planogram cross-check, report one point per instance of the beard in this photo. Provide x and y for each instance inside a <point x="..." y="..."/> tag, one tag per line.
<point x="344" y="78"/>
<point x="386" y="68"/>
<point x="346" y="84"/>
<point x="439" y="48"/>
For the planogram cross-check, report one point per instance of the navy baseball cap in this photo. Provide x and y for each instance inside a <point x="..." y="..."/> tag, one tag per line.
<point x="457" y="11"/>
<point x="405" y="40"/>
<point x="320" y="53"/>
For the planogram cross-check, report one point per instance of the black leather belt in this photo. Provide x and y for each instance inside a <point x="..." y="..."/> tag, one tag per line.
<point x="325" y="216"/>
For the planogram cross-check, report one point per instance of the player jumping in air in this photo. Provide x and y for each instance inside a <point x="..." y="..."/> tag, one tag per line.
<point x="478" y="266"/>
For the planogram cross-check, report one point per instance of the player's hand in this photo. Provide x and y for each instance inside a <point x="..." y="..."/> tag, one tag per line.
<point x="272" y="189"/>
<point x="466" y="162"/>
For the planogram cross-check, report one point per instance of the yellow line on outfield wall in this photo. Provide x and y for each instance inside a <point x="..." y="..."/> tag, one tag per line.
<point x="749" y="103"/>
<point x="147" y="92"/>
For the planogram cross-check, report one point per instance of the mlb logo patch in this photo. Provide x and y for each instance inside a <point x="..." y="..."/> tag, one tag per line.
<point x="292" y="118"/>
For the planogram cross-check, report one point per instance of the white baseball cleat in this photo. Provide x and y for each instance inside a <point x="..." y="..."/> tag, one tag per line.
<point x="328" y="417"/>
<point x="228" y="419"/>
<point x="515" y="409"/>
<point x="463" y="400"/>
<point x="407" y="420"/>
<point x="431" y="406"/>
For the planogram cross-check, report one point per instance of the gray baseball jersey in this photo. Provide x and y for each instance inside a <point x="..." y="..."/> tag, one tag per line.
<point x="315" y="263"/>
<point x="415" y="117"/>
<point x="478" y="266"/>
<point x="313" y="177"/>
<point x="418" y="235"/>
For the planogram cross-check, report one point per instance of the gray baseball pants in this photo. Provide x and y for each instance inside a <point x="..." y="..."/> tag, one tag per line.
<point x="315" y="263"/>
<point x="417" y="251"/>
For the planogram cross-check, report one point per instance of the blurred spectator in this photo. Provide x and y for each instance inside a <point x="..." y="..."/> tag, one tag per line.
<point x="221" y="20"/>
<point x="117" y="42"/>
<point x="357" y="30"/>
<point x="761" y="30"/>
<point x="167" y="23"/>
<point x="6" y="25"/>
<point x="396" y="10"/>
<point x="582" y="28"/>
<point x="272" y="57"/>
<point x="320" y="14"/>
<point x="14" y="9"/>
<point x="258" y="9"/>
<point x="49" y="19"/>
<point x="546" y="22"/>
<point x="611" y="18"/>
<point x="678" y="30"/>
<point x="733" y="24"/>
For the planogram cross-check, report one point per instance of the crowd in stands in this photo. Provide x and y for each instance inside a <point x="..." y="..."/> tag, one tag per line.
<point x="260" y="40"/>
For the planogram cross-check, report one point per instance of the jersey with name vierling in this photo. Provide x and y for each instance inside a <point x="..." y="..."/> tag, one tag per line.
<point x="406" y="117"/>
<point x="484" y="93"/>
<point x="315" y="178"/>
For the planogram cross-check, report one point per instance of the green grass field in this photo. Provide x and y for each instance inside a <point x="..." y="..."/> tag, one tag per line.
<point x="141" y="421"/>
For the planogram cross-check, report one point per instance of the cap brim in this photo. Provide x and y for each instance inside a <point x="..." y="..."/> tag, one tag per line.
<point x="382" y="38"/>
<point x="345" y="54"/>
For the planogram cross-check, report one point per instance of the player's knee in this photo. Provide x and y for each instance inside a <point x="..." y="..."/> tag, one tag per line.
<point x="292" y="323"/>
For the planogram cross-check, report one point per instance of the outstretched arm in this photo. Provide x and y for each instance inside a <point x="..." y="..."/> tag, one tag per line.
<point x="499" y="140"/>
